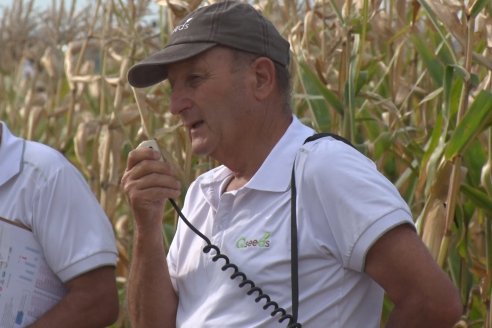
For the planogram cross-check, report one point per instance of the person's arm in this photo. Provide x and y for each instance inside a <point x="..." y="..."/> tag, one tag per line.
<point x="147" y="183"/>
<point x="152" y="301"/>
<point x="422" y="293"/>
<point x="91" y="301"/>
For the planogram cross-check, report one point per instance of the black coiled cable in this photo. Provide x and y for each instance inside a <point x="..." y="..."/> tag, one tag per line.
<point x="244" y="279"/>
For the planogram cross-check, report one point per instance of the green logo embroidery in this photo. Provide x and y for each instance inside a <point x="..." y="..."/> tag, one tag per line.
<point x="263" y="242"/>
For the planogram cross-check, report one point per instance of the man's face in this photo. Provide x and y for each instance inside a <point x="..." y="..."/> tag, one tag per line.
<point x="212" y="99"/>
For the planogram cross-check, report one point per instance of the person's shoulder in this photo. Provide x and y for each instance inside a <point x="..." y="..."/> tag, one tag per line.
<point x="330" y="152"/>
<point x="43" y="156"/>
<point x="330" y="145"/>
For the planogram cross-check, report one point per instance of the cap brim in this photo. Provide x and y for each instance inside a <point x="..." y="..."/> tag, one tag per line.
<point x="153" y="69"/>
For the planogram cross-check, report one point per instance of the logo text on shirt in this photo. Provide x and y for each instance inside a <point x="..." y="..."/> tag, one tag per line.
<point x="263" y="242"/>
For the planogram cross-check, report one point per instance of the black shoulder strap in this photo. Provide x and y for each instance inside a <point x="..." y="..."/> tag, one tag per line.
<point x="327" y="134"/>
<point x="294" y="261"/>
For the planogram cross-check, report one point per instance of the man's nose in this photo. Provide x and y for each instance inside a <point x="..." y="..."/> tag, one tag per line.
<point x="180" y="100"/>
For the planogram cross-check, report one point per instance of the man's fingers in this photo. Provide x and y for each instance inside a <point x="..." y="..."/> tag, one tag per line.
<point x="137" y="155"/>
<point x="150" y="180"/>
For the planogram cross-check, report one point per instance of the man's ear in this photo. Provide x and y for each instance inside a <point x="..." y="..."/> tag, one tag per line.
<point x="265" y="81"/>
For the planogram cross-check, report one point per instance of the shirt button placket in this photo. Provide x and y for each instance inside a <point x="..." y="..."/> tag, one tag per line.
<point x="223" y="214"/>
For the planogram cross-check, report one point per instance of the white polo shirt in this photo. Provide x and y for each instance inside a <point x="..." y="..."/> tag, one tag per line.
<point x="344" y="206"/>
<point x="40" y="189"/>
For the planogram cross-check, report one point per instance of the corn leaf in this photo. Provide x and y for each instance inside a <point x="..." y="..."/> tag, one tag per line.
<point x="316" y="85"/>
<point x="477" y="7"/>
<point x="477" y="197"/>
<point x="478" y="116"/>
<point x="313" y="88"/>
<point x="431" y="63"/>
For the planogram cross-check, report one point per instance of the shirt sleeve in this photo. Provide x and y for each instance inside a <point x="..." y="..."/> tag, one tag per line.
<point x="352" y="204"/>
<point x="72" y="228"/>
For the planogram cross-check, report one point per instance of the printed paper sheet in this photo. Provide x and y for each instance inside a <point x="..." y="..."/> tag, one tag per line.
<point x="28" y="288"/>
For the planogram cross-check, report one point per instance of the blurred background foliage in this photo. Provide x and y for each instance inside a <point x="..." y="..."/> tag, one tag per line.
<point x="409" y="82"/>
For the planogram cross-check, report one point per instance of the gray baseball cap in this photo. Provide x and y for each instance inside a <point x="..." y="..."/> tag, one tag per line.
<point x="227" y="23"/>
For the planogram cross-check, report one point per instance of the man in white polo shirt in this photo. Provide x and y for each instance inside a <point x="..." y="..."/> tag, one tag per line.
<point x="354" y="234"/>
<point x="42" y="192"/>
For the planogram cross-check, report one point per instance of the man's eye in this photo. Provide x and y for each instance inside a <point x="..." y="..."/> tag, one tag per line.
<point x="194" y="79"/>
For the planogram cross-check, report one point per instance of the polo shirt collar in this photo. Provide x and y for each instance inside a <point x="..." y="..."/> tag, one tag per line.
<point x="273" y="175"/>
<point x="275" y="172"/>
<point x="11" y="150"/>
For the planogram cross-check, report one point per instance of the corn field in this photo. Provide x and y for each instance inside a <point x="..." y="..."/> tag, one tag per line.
<point x="409" y="82"/>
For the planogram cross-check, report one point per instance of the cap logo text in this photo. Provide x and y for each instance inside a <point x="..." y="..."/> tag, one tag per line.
<point x="183" y="26"/>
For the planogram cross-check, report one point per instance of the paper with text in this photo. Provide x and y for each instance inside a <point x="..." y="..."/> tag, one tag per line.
<point x="28" y="287"/>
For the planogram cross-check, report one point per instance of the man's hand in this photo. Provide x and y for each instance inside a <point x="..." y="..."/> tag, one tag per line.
<point x="148" y="182"/>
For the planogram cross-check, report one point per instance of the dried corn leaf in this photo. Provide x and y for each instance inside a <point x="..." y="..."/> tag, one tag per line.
<point x="486" y="177"/>
<point x="109" y="152"/>
<point x="178" y="8"/>
<point x="85" y="134"/>
<point x="448" y="15"/>
<point x="127" y="116"/>
<point x="432" y="220"/>
<point x="52" y="61"/>
<point x="488" y="28"/>
<point x="34" y="117"/>
<point x="435" y="223"/>
<point x="81" y="59"/>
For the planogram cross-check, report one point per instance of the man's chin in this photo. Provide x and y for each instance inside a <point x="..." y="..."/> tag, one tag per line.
<point x="198" y="148"/>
